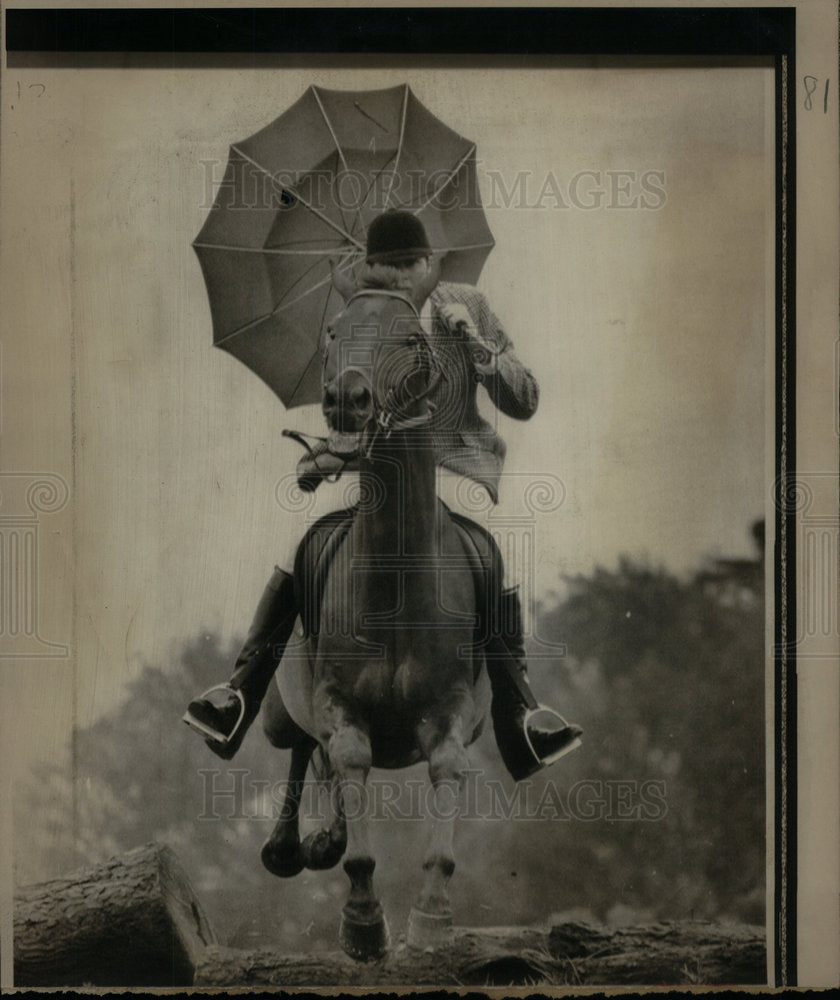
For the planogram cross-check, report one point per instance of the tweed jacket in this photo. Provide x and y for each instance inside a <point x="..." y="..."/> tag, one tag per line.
<point x="464" y="441"/>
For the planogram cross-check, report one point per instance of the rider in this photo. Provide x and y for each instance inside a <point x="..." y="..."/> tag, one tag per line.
<point x="473" y="349"/>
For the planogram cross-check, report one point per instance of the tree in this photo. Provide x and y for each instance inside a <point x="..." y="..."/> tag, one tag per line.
<point x="668" y="678"/>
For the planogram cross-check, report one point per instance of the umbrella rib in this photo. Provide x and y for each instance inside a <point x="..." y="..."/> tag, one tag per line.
<point x="241" y="329"/>
<point x="270" y="250"/>
<point x="280" y="306"/>
<point x="468" y="246"/>
<point x="315" y="353"/>
<point x="303" y="201"/>
<point x="399" y="146"/>
<point x="328" y="221"/>
<point x="372" y="184"/>
<point x="285" y="304"/>
<point x="303" y="376"/>
<point x="340" y="151"/>
<point x="328" y="123"/>
<point x="470" y="152"/>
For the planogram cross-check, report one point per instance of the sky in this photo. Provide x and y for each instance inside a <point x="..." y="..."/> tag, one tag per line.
<point x="646" y="325"/>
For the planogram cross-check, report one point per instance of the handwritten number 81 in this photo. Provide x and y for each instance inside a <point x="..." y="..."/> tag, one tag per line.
<point x="811" y="83"/>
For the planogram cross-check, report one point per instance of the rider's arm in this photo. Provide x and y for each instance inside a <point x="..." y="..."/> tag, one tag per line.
<point x="512" y="387"/>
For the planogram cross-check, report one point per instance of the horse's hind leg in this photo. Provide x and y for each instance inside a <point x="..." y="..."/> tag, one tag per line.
<point x="281" y="853"/>
<point x="363" y="933"/>
<point x="430" y="919"/>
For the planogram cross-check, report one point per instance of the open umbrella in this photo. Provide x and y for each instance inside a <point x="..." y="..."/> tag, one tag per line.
<point x="302" y="191"/>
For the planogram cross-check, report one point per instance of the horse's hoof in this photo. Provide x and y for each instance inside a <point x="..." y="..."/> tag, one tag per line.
<point x="321" y="850"/>
<point x="366" y="941"/>
<point x="428" y="930"/>
<point x="281" y="861"/>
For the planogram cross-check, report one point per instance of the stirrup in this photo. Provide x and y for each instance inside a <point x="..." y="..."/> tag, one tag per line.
<point x="552" y="757"/>
<point x="211" y="734"/>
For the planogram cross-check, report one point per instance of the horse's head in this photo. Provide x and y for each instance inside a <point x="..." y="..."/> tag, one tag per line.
<point x="378" y="371"/>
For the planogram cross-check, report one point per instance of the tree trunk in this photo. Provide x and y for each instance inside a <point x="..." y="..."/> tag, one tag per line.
<point x="132" y="921"/>
<point x="664" y="953"/>
<point x="567" y="954"/>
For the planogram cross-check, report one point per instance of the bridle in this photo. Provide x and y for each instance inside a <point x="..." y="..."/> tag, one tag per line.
<point x="385" y="411"/>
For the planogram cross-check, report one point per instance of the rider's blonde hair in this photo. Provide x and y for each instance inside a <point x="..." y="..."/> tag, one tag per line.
<point x="387" y="276"/>
<point x="397" y="277"/>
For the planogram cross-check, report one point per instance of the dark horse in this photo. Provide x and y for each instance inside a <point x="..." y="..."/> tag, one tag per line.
<point x="393" y="674"/>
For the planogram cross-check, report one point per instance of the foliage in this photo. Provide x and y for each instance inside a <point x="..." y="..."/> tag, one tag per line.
<point x="669" y="677"/>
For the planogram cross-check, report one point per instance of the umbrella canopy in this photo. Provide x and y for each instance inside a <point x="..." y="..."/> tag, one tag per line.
<point x="302" y="191"/>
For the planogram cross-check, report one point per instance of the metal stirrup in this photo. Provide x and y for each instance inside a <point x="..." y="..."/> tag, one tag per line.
<point x="552" y="757"/>
<point x="204" y="730"/>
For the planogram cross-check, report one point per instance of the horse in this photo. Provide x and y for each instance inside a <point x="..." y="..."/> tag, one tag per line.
<point x="393" y="673"/>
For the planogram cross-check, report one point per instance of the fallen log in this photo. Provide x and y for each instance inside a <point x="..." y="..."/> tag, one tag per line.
<point x="132" y="921"/>
<point x="682" y="952"/>
<point x="574" y="954"/>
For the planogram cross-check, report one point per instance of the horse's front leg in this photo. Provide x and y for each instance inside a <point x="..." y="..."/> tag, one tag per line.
<point x="281" y="853"/>
<point x="324" y="848"/>
<point x="430" y="919"/>
<point x="364" y="932"/>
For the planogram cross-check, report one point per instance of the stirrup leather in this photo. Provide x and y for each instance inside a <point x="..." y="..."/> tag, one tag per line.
<point x="211" y="734"/>
<point x="552" y="757"/>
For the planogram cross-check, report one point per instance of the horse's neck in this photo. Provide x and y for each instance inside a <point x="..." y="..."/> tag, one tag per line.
<point x="400" y="512"/>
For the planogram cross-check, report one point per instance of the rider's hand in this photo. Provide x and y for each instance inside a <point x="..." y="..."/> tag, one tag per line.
<point x="456" y="314"/>
<point x="342" y="281"/>
<point x="457" y="318"/>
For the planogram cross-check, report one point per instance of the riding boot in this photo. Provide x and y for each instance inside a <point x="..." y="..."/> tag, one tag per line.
<point x="524" y="747"/>
<point x="224" y="724"/>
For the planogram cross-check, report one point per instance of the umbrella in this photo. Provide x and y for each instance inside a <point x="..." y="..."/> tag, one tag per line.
<point x="301" y="192"/>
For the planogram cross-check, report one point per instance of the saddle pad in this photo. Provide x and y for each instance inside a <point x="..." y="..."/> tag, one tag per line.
<point x="321" y="542"/>
<point x="312" y="562"/>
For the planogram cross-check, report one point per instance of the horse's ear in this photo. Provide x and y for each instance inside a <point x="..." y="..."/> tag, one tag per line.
<point x="342" y="282"/>
<point x="429" y="283"/>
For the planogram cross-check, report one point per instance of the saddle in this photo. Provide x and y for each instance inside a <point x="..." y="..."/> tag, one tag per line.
<point x="319" y="545"/>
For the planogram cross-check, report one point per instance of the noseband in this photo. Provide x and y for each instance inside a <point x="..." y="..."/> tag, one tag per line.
<point x="384" y="414"/>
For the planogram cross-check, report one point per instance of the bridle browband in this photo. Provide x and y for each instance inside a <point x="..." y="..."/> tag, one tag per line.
<point x="389" y="293"/>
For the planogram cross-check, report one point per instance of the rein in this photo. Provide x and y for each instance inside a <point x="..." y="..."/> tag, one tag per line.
<point x="300" y="437"/>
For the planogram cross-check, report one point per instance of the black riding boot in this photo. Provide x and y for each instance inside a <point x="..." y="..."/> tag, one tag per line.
<point x="224" y="724"/>
<point x="525" y="748"/>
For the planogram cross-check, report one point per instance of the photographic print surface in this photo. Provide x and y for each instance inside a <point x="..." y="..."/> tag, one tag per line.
<point x="148" y="493"/>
